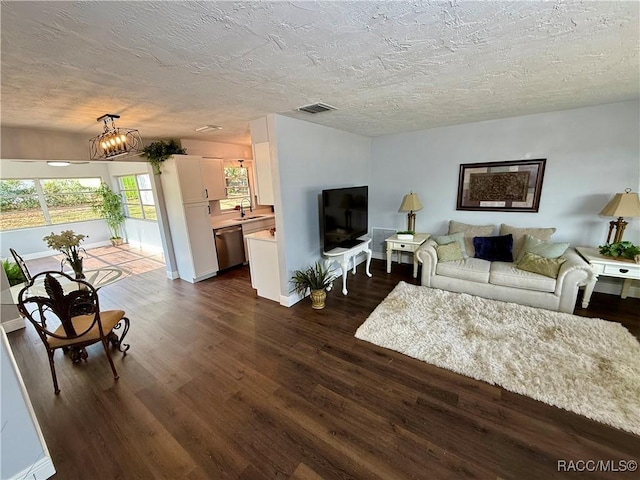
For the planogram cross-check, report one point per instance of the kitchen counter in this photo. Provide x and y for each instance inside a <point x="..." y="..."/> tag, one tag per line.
<point x="263" y="264"/>
<point x="263" y="235"/>
<point x="250" y="218"/>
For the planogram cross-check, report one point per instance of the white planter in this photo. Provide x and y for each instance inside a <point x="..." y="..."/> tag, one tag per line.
<point x="405" y="236"/>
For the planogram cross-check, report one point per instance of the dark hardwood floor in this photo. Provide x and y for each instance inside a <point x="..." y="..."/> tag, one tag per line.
<point x="221" y="384"/>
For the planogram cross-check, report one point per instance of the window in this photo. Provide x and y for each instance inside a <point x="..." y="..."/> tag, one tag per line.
<point x="33" y="202"/>
<point x="138" y="196"/>
<point x="237" y="186"/>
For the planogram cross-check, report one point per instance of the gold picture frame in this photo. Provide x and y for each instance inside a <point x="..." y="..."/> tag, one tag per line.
<point x="511" y="186"/>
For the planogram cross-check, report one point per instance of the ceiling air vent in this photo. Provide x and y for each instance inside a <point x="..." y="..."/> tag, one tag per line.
<point x="316" y="108"/>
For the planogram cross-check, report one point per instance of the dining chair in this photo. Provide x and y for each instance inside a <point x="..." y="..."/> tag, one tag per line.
<point x="71" y="320"/>
<point x="23" y="266"/>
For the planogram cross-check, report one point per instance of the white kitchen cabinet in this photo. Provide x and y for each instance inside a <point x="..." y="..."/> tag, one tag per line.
<point x="200" y="179"/>
<point x="263" y="264"/>
<point x="264" y="180"/>
<point x="213" y="178"/>
<point x="255" y="226"/>
<point x="189" y="220"/>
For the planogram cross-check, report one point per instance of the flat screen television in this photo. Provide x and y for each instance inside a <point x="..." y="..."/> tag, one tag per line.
<point x="345" y="216"/>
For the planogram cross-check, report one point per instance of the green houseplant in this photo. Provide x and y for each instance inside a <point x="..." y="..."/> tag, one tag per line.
<point x="158" y="152"/>
<point x="14" y="274"/>
<point x="620" y="249"/>
<point x="111" y="209"/>
<point x="315" y="278"/>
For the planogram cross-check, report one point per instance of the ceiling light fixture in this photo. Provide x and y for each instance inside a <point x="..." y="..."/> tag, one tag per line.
<point x="56" y="163"/>
<point x="206" y="128"/>
<point x="114" y="142"/>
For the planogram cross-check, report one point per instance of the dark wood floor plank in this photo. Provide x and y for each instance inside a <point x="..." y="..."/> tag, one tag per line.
<point x="220" y="383"/>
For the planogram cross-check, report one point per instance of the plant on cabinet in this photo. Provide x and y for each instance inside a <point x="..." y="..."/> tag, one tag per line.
<point x="158" y="152"/>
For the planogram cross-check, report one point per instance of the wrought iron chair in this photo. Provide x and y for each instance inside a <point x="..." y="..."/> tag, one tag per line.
<point x="71" y="320"/>
<point x="23" y="266"/>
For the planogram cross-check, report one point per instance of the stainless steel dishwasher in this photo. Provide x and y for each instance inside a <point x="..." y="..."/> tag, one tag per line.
<point x="230" y="246"/>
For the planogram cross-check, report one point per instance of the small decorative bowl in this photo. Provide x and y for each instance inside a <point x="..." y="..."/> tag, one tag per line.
<point x="405" y="236"/>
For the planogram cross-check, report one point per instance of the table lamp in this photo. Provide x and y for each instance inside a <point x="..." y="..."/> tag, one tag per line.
<point x="625" y="204"/>
<point x="411" y="203"/>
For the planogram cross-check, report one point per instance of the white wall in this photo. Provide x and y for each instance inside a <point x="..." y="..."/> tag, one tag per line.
<point x="227" y="151"/>
<point x="24" y="451"/>
<point x="592" y="153"/>
<point x="32" y="144"/>
<point x="309" y="158"/>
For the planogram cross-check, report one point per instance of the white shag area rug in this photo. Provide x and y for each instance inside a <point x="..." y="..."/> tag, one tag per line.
<point x="586" y="365"/>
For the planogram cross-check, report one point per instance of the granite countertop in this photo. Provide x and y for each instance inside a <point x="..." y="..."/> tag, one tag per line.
<point x="263" y="235"/>
<point x="217" y="223"/>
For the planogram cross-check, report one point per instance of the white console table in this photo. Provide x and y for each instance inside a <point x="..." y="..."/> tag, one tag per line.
<point x="628" y="270"/>
<point x="345" y="255"/>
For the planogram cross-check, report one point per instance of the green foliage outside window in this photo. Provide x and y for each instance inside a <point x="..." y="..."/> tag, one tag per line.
<point x="29" y="202"/>
<point x="237" y="186"/>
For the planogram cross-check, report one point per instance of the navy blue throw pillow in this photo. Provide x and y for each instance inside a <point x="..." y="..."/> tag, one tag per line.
<point x="494" y="249"/>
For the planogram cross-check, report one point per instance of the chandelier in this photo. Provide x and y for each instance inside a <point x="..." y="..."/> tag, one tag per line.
<point x="114" y="142"/>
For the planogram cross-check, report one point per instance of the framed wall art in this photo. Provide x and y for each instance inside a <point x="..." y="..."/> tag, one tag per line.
<point x="512" y="186"/>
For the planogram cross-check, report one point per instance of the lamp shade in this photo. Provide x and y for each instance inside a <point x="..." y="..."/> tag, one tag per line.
<point x="411" y="203"/>
<point x="625" y="204"/>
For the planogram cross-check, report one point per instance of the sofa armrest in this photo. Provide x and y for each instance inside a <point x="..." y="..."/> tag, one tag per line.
<point x="575" y="272"/>
<point x="427" y="256"/>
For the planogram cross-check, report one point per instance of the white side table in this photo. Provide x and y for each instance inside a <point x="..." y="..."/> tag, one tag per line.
<point x="346" y="255"/>
<point x="395" y="244"/>
<point x="609" y="267"/>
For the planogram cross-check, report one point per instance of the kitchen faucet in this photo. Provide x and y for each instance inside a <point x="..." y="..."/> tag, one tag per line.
<point x="242" y="214"/>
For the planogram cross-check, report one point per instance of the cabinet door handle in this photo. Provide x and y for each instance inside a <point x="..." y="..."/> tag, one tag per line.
<point x="206" y="193"/>
<point x="624" y="270"/>
<point x="209" y="209"/>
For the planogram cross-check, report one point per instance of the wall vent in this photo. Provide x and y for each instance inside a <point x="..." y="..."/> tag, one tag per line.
<point x="316" y="108"/>
<point x="378" y="245"/>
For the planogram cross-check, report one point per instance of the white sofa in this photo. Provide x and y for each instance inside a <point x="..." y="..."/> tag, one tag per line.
<point x="503" y="280"/>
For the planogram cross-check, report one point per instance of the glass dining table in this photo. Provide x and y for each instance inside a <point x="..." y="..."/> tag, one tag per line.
<point x="98" y="277"/>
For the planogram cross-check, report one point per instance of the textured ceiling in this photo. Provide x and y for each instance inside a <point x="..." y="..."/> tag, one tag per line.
<point x="170" y="67"/>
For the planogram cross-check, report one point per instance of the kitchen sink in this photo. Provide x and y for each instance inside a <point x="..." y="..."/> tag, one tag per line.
<point x="247" y="218"/>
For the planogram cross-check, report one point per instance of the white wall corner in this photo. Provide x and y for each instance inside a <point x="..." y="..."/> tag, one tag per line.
<point x="172" y="274"/>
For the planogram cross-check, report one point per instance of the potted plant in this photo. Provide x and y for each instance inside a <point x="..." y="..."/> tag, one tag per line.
<point x="158" y="152"/>
<point x="405" y="234"/>
<point x="14" y="273"/>
<point x="316" y="278"/>
<point x="68" y="243"/>
<point x="621" y="249"/>
<point x="111" y="209"/>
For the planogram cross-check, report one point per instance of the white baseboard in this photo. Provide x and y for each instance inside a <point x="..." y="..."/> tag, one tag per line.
<point x="172" y="274"/>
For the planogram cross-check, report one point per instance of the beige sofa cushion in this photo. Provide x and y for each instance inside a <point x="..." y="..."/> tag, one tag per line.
<point x="508" y="275"/>
<point x="542" y="248"/>
<point x="470" y="231"/>
<point x="519" y="233"/>
<point x="449" y="252"/>
<point x="549" y="267"/>
<point x="472" y="269"/>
